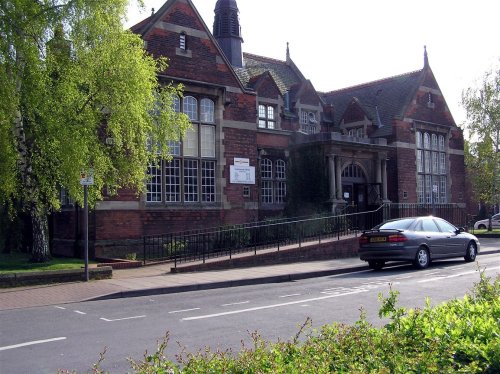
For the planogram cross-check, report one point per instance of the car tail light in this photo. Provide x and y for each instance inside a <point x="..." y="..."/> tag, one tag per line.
<point x="397" y="238"/>
<point x="363" y="239"/>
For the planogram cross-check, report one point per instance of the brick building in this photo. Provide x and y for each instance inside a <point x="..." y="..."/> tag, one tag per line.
<point x="264" y="142"/>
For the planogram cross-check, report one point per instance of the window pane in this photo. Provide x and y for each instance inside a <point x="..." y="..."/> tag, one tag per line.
<point x="270" y="124"/>
<point x="153" y="185"/>
<point x="174" y="148"/>
<point x="419" y="139"/>
<point x="262" y="111"/>
<point x="190" y="143"/>
<point x="441" y="142"/>
<point x="280" y="192"/>
<point x="434" y="142"/>
<point x="190" y="107"/>
<point x="208" y="181"/>
<point x="190" y="181"/>
<point x="420" y="189"/>
<point x="207" y="141"/>
<point x="443" y="198"/>
<point x="176" y="104"/>
<point x="303" y="117"/>
<point x="427" y="155"/>
<point x="280" y="169"/>
<point x="207" y="110"/>
<point x="420" y="161"/>
<point x="266" y="169"/>
<point x="442" y="163"/>
<point x="428" y="189"/>
<point x="267" y="192"/>
<point x="427" y="141"/>
<point x="262" y="123"/>
<point x="173" y="181"/>
<point x="270" y="112"/>
<point x="435" y="163"/>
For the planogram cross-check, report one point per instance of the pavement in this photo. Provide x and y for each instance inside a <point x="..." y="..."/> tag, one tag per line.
<point x="157" y="279"/>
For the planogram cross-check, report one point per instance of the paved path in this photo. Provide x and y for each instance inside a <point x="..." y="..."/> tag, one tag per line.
<point x="157" y="279"/>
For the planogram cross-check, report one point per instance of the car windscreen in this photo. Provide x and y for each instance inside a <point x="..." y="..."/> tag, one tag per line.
<point x="400" y="224"/>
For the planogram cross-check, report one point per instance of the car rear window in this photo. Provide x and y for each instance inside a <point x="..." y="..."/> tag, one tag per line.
<point x="400" y="224"/>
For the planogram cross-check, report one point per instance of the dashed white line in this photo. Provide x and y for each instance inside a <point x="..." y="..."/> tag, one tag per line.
<point x="78" y="312"/>
<point x="183" y="310"/>
<point x="121" y="319"/>
<point x="239" y="303"/>
<point x="60" y="307"/>
<point x="31" y="343"/>
<point x="352" y="292"/>
<point x="291" y="295"/>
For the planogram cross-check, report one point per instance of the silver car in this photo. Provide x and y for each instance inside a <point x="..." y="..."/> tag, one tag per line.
<point x="416" y="239"/>
<point x="483" y="224"/>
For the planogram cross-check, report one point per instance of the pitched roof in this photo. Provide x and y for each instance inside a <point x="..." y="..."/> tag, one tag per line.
<point x="382" y="100"/>
<point x="283" y="73"/>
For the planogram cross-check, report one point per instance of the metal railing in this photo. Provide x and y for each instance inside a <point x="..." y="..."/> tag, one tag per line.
<point x="228" y="241"/>
<point x="201" y="245"/>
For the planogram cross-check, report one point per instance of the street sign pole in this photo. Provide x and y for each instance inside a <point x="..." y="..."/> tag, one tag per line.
<point x="86" y="179"/>
<point x="86" y="230"/>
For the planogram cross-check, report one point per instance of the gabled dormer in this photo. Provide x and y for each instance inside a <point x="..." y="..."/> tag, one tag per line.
<point x="269" y="101"/>
<point x="178" y="32"/>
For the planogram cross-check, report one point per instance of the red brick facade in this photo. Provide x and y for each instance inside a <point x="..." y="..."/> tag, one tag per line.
<point x="262" y="112"/>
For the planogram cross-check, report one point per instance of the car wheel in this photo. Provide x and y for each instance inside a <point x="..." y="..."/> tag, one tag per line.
<point x="422" y="258"/>
<point x="481" y="227"/>
<point x="376" y="265"/>
<point x="471" y="253"/>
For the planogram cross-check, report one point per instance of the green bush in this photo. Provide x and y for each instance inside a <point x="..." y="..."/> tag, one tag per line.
<point x="460" y="336"/>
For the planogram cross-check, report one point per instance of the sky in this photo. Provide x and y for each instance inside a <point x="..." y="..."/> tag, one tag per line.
<point x="342" y="43"/>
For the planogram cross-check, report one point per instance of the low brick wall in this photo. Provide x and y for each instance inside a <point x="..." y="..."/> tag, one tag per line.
<point x="55" y="276"/>
<point x="314" y="252"/>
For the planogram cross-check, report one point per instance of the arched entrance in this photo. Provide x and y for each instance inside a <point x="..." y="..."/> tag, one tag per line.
<point x="354" y="183"/>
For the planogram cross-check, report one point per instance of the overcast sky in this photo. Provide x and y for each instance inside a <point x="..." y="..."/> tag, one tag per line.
<point x="338" y="44"/>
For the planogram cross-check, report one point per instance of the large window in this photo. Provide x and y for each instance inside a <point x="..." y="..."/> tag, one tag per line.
<point x="273" y="181"/>
<point x="189" y="177"/>
<point x="431" y="168"/>
<point x="267" y="118"/>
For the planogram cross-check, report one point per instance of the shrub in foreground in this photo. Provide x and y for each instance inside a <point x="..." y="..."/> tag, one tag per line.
<point x="460" y="336"/>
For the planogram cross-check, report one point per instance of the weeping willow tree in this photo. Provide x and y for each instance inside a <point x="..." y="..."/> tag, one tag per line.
<point x="70" y="78"/>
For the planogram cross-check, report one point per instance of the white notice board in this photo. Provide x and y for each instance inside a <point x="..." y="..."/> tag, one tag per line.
<point x="242" y="174"/>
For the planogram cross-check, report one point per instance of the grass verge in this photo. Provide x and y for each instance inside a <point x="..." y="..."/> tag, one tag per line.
<point x="19" y="263"/>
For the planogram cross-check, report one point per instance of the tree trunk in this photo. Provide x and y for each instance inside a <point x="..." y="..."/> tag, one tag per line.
<point x="40" y="251"/>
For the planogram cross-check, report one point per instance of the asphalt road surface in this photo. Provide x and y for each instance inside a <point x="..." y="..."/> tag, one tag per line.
<point x="71" y="336"/>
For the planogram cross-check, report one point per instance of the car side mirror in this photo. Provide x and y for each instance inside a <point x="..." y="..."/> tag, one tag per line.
<point x="459" y="230"/>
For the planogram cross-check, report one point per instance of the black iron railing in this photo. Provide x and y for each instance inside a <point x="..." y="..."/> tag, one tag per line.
<point x="228" y="241"/>
<point x="201" y="245"/>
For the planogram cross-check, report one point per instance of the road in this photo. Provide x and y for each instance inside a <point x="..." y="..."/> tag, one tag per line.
<point x="71" y="336"/>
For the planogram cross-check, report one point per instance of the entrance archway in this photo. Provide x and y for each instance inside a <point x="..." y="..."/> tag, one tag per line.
<point x="354" y="183"/>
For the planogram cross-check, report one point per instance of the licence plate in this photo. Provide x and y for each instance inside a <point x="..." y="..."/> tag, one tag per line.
<point x="378" y="239"/>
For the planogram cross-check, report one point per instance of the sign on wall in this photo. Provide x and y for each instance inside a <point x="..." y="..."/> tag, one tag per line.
<point x="242" y="174"/>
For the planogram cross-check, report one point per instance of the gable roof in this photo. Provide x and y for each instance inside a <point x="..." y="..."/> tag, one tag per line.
<point x="382" y="100"/>
<point x="145" y="26"/>
<point x="283" y="73"/>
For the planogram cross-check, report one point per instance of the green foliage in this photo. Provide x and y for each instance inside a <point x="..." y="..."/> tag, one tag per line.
<point x="460" y="336"/>
<point x="482" y="155"/>
<point x="70" y="78"/>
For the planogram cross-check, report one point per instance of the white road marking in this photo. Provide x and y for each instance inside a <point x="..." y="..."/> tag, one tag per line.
<point x="352" y="292"/>
<point x="60" y="307"/>
<point x="404" y="277"/>
<point x="291" y="295"/>
<point x="183" y="310"/>
<point x="121" y="319"/>
<point x="455" y="275"/>
<point x="78" y="312"/>
<point x="31" y="343"/>
<point x="242" y="302"/>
